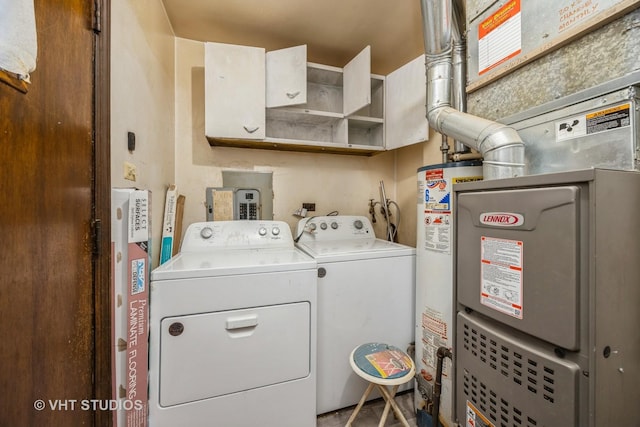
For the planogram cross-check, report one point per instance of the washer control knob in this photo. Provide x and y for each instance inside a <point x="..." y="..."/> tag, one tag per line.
<point x="334" y="225"/>
<point x="275" y="231"/>
<point x="262" y="231"/>
<point x="323" y="225"/>
<point x="358" y="224"/>
<point x="206" y="233"/>
<point x="312" y="226"/>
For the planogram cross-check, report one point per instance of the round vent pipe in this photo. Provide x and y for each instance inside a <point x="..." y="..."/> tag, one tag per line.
<point x="500" y="145"/>
<point x="459" y="49"/>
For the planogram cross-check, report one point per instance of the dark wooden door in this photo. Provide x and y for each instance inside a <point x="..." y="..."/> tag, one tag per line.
<point x="47" y="175"/>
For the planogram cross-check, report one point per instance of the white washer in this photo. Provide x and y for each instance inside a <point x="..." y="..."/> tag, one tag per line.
<point x="233" y="329"/>
<point x="366" y="289"/>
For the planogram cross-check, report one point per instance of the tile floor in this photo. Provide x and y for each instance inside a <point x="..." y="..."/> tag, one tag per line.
<point x="369" y="415"/>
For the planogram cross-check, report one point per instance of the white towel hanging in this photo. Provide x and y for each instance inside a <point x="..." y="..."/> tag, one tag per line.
<point x="18" y="41"/>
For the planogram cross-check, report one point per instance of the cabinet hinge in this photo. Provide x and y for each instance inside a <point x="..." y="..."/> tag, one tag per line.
<point x="96" y="237"/>
<point x="97" y="18"/>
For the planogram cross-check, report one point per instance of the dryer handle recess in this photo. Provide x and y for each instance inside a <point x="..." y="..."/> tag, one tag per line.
<point x="241" y="326"/>
<point x="322" y="272"/>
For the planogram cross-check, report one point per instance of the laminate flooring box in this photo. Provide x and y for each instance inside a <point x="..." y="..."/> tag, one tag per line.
<point x="131" y="265"/>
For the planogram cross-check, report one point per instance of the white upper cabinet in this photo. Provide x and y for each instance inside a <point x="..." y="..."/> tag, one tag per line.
<point x="357" y="89"/>
<point x="234" y="91"/>
<point x="286" y="75"/>
<point x="406" y="115"/>
<point x="280" y="101"/>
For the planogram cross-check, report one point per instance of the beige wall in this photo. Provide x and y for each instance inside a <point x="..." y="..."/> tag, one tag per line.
<point x="142" y="101"/>
<point x="341" y="183"/>
<point x="158" y="93"/>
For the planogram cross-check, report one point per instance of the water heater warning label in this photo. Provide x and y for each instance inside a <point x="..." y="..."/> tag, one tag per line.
<point x="434" y="335"/>
<point x="501" y="275"/>
<point x="475" y="418"/>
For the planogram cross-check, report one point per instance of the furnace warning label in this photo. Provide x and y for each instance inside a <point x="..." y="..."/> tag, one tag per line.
<point x="610" y="118"/>
<point x="593" y="123"/>
<point x="501" y="275"/>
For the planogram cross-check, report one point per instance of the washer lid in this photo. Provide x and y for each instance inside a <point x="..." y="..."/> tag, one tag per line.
<point x="232" y="262"/>
<point x="347" y="250"/>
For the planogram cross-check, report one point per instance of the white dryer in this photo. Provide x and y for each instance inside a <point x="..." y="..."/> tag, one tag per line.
<point x="366" y="293"/>
<point x="233" y="329"/>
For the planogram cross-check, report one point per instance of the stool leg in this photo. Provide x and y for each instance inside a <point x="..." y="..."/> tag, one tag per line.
<point x="359" y="406"/>
<point x="387" y="399"/>
<point x="390" y="398"/>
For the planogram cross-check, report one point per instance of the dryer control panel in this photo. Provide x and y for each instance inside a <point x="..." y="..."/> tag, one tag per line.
<point x="335" y="227"/>
<point x="202" y="236"/>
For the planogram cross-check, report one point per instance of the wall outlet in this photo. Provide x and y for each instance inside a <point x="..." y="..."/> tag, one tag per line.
<point x="130" y="171"/>
<point x="310" y="207"/>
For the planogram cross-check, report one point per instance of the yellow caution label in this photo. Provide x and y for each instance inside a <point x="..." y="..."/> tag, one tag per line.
<point x="460" y="179"/>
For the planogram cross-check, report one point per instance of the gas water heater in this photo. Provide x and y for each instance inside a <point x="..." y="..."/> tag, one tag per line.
<point x="547" y="288"/>
<point x="434" y="276"/>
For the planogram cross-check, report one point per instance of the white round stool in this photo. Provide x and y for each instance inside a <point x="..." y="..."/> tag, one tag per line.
<point x="383" y="366"/>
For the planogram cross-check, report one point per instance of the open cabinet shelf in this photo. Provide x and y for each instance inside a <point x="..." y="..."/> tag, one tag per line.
<point x="307" y="106"/>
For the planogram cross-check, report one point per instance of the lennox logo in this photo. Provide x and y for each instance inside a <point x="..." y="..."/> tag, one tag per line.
<point x="501" y="219"/>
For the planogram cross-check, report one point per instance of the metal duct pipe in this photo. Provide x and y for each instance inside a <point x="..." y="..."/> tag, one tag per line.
<point x="459" y="99"/>
<point x="500" y="145"/>
<point x="437" y="35"/>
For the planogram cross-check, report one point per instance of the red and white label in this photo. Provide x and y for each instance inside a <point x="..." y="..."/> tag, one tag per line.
<point x="501" y="219"/>
<point x="500" y="37"/>
<point x="501" y="275"/>
<point x="475" y="417"/>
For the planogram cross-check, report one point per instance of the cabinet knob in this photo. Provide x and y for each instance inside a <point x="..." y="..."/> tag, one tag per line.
<point x="293" y="95"/>
<point x="251" y="130"/>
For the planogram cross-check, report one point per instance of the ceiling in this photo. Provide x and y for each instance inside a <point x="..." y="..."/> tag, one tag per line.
<point x="333" y="30"/>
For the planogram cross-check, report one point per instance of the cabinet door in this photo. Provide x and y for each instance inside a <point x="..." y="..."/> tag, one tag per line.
<point x="287" y="76"/>
<point x="234" y="91"/>
<point x="405" y="111"/>
<point x="357" y="82"/>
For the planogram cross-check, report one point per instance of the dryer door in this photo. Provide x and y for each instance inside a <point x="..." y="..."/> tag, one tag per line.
<point x="208" y="355"/>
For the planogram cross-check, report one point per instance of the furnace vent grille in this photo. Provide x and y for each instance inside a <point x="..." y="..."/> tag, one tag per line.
<point x="526" y="371"/>
<point x="494" y="406"/>
<point x="512" y="379"/>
